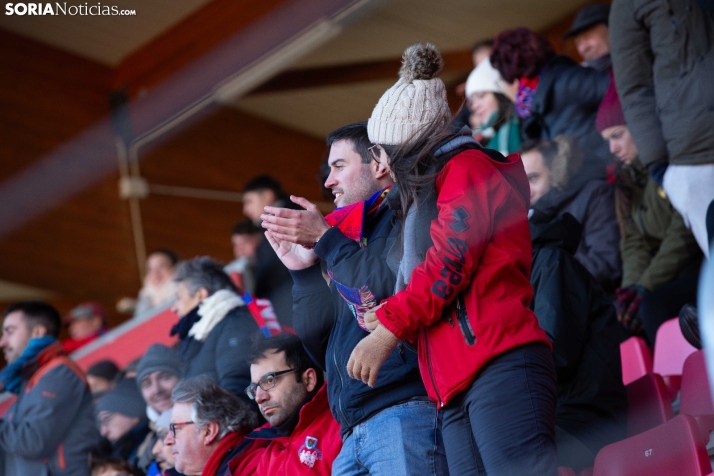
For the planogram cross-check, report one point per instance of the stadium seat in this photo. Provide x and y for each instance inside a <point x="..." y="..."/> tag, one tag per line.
<point x="674" y="448"/>
<point x="670" y="352"/>
<point x="648" y="404"/>
<point x="636" y="359"/>
<point x="563" y="471"/>
<point x="696" y="396"/>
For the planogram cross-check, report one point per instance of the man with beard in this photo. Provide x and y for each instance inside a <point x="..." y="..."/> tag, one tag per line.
<point x="51" y="428"/>
<point x="302" y="435"/>
<point x="157" y="374"/>
<point x="352" y="245"/>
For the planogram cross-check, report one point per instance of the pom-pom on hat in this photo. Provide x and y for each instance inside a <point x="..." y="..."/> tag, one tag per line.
<point x="484" y="78"/>
<point x="416" y="101"/>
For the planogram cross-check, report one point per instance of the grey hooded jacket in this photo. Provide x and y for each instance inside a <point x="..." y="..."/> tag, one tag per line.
<point x="51" y="429"/>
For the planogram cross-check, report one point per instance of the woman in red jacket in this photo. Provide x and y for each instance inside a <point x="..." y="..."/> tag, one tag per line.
<point x="463" y="263"/>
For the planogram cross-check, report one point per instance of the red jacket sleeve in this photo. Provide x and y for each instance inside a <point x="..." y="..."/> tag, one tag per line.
<point x="471" y="192"/>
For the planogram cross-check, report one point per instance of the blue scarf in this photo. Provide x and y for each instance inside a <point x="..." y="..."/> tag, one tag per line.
<point x="11" y="376"/>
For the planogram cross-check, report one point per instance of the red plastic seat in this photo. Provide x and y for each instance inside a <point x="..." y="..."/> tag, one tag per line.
<point x="648" y="404"/>
<point x="696" y="396"/>
<point x="674" y="448"/>
<point x="636" y="359"/>
<point x="563" y="471"/>
<point x="670" y="352"/>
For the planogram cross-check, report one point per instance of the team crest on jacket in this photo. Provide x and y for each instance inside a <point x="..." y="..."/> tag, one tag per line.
<point x="308" y="453"/>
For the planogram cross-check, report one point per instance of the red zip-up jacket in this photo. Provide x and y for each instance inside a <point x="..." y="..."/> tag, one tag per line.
<point x="309" y="449"/>
<point x="468" y="301"/>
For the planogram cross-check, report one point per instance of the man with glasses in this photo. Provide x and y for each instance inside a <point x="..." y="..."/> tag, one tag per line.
<point x="302" y="435"/>
<point x="391" y="428"/>
<point x="207" y="430"/>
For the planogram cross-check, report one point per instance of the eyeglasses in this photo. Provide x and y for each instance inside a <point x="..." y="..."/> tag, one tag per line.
<point x="266" y="383"/>
<point x="172" y="426"/>
<point x="376" y="152"/>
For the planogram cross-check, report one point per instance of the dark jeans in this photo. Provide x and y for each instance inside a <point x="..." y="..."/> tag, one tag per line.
<point x="504" y="422"/>
<point x="665" y="302"/>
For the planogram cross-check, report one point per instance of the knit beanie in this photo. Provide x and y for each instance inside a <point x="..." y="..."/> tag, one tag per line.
<point x="158" y="358"/>
<point x="484" y="78"/>
<point x="416" y="101"/>
<point x="610" y="114"/>
<point x="105" y="369"/>
<point x="125" y="398"/>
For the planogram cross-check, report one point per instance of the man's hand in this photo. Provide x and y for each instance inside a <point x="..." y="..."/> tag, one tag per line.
<point x="293" y="256"/>
<point x="370" y="318"/>
<point x="369" y="355"/>
<point x="303" y="227"/>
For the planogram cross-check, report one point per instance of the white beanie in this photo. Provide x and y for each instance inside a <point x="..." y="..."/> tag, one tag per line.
<point x="415" y="102"/>
<point x="485" y="78"/>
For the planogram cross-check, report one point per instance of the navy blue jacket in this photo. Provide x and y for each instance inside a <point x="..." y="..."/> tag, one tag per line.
<point x="329" y="329"/>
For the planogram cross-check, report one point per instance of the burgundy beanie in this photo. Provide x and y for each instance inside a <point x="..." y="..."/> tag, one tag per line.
<point x="610" y="114"/>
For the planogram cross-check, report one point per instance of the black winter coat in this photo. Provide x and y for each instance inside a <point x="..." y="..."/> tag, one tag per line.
<point x="592" y="203"/>
<point x="328" y="326"/>
<point x="663" y="59"/>
<point x="273" y="282"/>
<point x="580" y="322"/>
<point x="223" y="355"/>
<point x="566" y="102"/>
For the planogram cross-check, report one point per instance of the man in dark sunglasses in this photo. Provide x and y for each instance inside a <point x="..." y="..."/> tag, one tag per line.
<point x="302" y="435"/>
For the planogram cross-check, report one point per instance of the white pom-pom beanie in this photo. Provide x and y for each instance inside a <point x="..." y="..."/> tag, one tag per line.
<point x="415" y="102"/>
<point x="485" y="78"/>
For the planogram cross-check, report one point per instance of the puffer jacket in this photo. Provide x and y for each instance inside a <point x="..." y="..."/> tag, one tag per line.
<point x="224" y="352"/>
<point x="468" y="300"/>
<point x="592" y="203"/>
<point x="580" y="321"/>
<point x="663" y="60"/>
<point x="51" y="428"/>
<point x="566" y="102"/>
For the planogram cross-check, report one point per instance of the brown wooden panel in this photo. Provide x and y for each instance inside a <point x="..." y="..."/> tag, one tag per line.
<point x="355" y="73"/>
<point x="46" y="97"/>
<point x="188" y="40"/>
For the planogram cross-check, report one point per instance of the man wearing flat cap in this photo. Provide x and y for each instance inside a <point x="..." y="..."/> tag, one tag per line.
<point x="591" y="36"/>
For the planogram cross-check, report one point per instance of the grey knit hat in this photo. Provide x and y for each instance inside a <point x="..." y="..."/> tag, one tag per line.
<point x="125" y="398"/>
<point x="415" y="102"/>
<point x="158" y="358"/>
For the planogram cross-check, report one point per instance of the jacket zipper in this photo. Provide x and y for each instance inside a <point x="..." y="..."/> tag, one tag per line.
<point x="431" y="370"/>
<point x="464" y="323"/>
<point x="342" y="385"/>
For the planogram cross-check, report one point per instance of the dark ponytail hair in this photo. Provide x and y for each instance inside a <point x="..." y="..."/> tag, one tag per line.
<point x="414" y="165"/>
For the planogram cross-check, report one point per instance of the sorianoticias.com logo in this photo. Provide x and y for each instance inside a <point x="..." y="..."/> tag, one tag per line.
<point x="61" y="8"/>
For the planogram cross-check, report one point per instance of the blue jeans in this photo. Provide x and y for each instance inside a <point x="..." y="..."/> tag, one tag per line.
<point x="504" y="422"/>
<point x="401" y="440"/>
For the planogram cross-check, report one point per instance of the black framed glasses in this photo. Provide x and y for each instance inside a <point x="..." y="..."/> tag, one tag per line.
<point x="180" y="424"/>
<point x="376" y="152"/>
<point x="266" y="383"/>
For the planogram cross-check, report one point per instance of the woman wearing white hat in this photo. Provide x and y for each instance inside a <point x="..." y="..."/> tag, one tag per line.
<point x="491" y="109"/>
